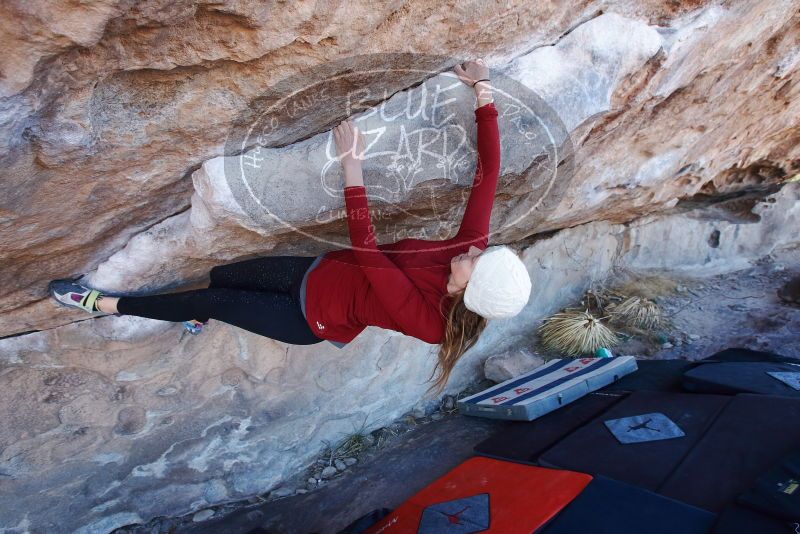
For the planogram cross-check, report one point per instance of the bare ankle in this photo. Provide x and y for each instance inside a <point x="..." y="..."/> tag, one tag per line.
<point x="107" y="304"/>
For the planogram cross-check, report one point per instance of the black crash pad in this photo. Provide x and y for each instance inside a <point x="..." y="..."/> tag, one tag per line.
<point x="653" y="375"/>
<point x="593" y="448"/>
<point x="607" y="506"/>
<point x="777" y="492"/>
<point x="738" y="519"/>
<point x="752" y="434"/>
<point x="739" y="354"/>
<point x="667" y="375"/>
<point x="524" y="441"/>
<point x="730" y="378"/>
<point x="361" y="524"/>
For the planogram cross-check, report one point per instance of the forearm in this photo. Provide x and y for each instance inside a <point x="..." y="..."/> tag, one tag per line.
<point x="478" y="211"/>
<point x="483" y="93"/>
<point x="353" y="174"/>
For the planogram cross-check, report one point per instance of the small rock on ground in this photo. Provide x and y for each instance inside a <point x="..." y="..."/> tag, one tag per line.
<point x="507" y="365"/>
<point x="328" y="472"/>
<point x="202" y="515"/>
<point x="281" y="492"/>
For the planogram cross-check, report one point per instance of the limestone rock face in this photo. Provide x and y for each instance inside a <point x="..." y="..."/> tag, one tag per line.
<point x="125" y="113"/>
<point x="644" y="134"/>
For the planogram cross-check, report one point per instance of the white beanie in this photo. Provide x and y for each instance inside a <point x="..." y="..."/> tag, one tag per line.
<point x="499" y="286"/>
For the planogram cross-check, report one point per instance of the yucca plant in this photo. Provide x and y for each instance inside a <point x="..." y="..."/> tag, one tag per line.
<point x="576" y="332"/>
<point x="637" y="311"/>
<point x="598" y="299"/>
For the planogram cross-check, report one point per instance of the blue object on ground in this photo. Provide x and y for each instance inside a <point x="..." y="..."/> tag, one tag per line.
<point x="193" y="328"/>
<point x="603" y="352"/>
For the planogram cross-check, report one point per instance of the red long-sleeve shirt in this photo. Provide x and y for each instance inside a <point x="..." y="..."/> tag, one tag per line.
<point x="372" y="285"/>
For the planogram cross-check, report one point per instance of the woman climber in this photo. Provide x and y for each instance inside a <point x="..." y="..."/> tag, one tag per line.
<point x="443" y="293"/>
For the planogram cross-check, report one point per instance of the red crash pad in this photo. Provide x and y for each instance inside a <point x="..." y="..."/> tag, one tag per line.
<point x="485" y="495"/>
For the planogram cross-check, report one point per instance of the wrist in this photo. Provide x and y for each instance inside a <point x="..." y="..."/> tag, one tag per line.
<point x="483" y="93"/>
<point x="482" y="100"/>
<point x="352" y="167"/>
<point x="353" y="177"/>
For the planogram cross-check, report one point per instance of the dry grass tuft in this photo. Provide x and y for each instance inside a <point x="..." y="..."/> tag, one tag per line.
<point x="638" y="312"/>
<point x="645" y="285"/>
<point x="576" y="332"/>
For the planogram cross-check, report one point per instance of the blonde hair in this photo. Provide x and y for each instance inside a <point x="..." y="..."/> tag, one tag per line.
<point x="463" y="327"/>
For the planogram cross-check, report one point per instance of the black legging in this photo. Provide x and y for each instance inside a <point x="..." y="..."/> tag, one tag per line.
<point x="261" y="295"/>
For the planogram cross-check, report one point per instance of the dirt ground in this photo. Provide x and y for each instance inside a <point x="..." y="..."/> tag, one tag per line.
<point x="738" y="309"/>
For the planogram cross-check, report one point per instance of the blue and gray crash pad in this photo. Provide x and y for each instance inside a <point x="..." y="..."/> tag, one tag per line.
<point x="607" y="506"/>
<point x="547" y="388"/>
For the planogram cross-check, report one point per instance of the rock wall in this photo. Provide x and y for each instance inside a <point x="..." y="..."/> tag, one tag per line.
<point x="670" y="138"/>
<point x="116" y="115"/>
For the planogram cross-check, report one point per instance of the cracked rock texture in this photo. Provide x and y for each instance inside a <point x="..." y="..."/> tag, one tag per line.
<point x="666" y="138"/>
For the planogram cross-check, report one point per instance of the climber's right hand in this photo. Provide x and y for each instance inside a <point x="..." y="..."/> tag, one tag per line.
<point x="471" y="71"/>
<point x="350" y="149"/>
<point x="349" y="143"/>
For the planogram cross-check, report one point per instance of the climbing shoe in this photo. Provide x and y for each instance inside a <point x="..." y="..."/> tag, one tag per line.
<point x="69" y="293"/>
<point x="193" y="326"/>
